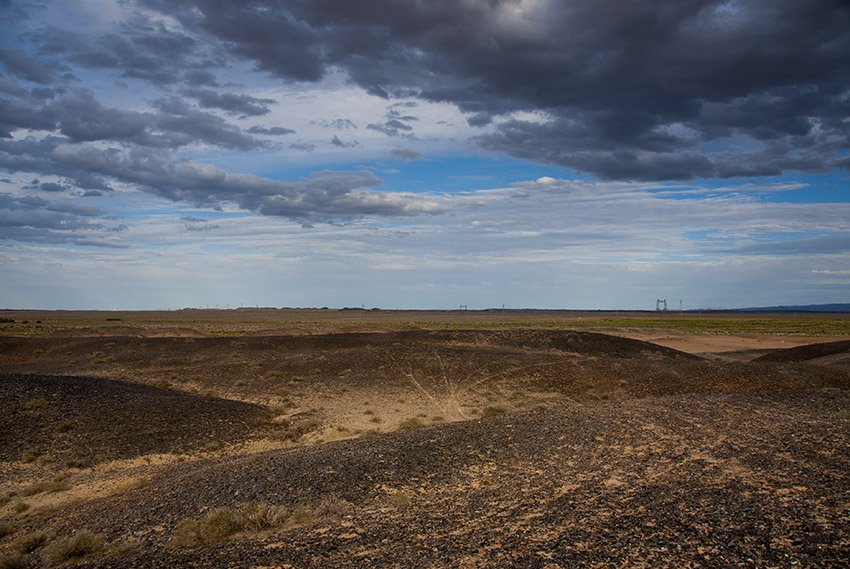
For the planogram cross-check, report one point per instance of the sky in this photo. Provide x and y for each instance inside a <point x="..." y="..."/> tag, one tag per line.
<point x="405" y="154"/>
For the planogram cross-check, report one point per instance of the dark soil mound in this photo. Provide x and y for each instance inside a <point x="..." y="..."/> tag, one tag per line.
<point x="734" y="479"/>
<point x="84" y="418"/>
<point x="808" y="353"/>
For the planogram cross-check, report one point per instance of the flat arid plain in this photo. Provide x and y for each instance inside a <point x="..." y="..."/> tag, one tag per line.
<point x="266" y="438"/>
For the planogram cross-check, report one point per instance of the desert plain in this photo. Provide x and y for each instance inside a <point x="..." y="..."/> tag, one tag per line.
<point x="284" y="438"/>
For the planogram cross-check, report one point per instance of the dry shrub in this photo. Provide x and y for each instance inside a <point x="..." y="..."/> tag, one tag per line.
<point x="333" y="507"/>
<point x="14" y="562"/>
<point x="212" y="529"/>
<point x="58" y="484"/>
<point x="132" y="484"/>
<point x="83" y="544"/>
<point x="493" y="410"/>
<point x="257" y="516"/>
<point x="37" y="405"/>
<point x="399" y="500"/>
<point x="7" y="528"/>
<point x="301" y="515"/>
<point x="31" y="542"/>
<point x="412" y="423"/>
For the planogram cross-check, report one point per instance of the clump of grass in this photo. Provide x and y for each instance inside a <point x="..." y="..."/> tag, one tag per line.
<point x="333" y="507"/>
<point x="412" y="423"/>
<point x="162" y="384"/>
<point x="31" y="542"/>
<point x="399" y="500"/>
<point x="293" y="432"/>
<point x="212" y="529"/>
<point x="132" y="484"/>
<point x="21" y="507"/>
<point x="14" y="562"/>
<point x="58" y="484"/>
<point x="257" y="516"/>
<point x="37" y="405"/>
<point x="7" y="528"/>
<point x="437" y="419"/>
<point x="82" y="544"/>
<point x="301" y="514"/>
<point x="76" y="463"/>
<point x="64" y="427"/>
<point x="493" y="410"/>
<point x="30" y="456"/>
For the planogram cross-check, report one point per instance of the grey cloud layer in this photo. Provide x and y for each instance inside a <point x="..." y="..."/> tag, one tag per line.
<point x="36" y="220"/>
<point x="630" y="90"/>
<point x="624" y="90"/>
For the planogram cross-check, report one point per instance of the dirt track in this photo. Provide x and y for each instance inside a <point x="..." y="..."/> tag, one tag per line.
<point x="603" y="452"/>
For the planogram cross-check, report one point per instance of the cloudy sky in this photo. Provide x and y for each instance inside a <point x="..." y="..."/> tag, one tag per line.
<point x="424" y="154"/>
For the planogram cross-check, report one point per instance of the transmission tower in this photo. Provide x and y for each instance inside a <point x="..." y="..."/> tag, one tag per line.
<point x="661" y="308"/>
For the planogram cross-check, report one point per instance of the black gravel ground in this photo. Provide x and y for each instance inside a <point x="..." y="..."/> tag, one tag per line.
<point x="712" y="480"/>
<point x="89" y="418"/>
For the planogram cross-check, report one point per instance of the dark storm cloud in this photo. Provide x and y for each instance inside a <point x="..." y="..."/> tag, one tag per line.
<point x="325" y="196"/>
<point x="36" y="220"/>
<point x="182" y="124"/>
<point x="144" y="50"/>
<point x="406" y="154"/>
<point x="336" y="141"/>
<point x="231" y="102"/>
<point x="648" y="82"/>
<point x="21" y="64"/>
<point x="272" y="131"/>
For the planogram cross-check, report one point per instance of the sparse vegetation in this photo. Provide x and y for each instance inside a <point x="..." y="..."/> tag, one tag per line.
<point x="214" y="528"/>
<point x="399" y="500"/>
<point x="251" y="516"/>
<point x="64" y="427"/>
<point x="58" y="484"/>
<point x="37" y="405"/>
<point x="132" y="484"/>
<point x="31" y="542"/>
<point x="412" y="423"/>
<point x="29" y="456"/>
<point x="493" y="410"/>
<point x="81" y="545"/>
<point x="257" y="516"/>
<point x="14" y="562"/>
<point x="7" y="528"/>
